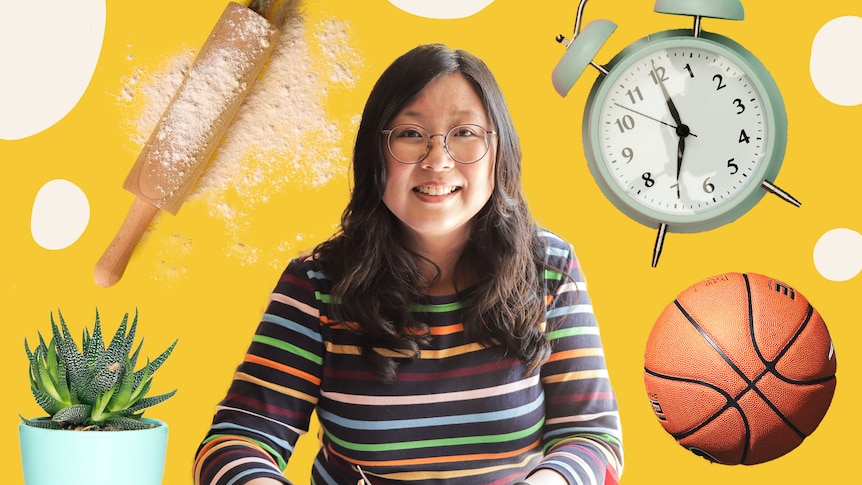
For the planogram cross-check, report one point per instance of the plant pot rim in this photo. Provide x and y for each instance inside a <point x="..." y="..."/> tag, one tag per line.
<point x="157" y="422"/>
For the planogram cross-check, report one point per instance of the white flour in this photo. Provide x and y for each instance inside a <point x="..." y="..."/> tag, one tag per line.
<point x="281" y="140"/>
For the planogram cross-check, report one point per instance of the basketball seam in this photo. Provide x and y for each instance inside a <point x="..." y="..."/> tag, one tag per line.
<point x="729" y="362"/>
<point x="730" y="402"/>
<point x="770" y="366"/>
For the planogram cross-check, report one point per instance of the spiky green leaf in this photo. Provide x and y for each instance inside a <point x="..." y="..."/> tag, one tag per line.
<point x="104" y="381"/>
<point x="27" y="349"/>
<point x="40" y="423"/>
<point x="153" y="366"/>
<point x="95" y="344"/>
<point x="121" y="398"/>
<point x="146" y="402"/>
<point x="133" y="360"/>
<point x="140" y="391"/>
<point x="47" y="402"/>
<point x="116" y="350"/>
<point x="130" y="337"/>
<point x="128" y="423"/>
<point x="42" y="376"/>
<point x="77" y="370"/>
<point x="74" y="414"/>
<point x="57" y="371"/>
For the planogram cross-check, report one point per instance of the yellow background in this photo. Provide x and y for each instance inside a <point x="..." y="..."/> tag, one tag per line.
<point x="214" y="304"/>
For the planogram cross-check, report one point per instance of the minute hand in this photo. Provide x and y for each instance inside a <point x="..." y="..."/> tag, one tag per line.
<point x="682" y="129"/>
<point x="670" y="106"/>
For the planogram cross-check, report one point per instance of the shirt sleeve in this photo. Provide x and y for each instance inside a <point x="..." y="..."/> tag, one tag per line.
<point x="582" y="434"/>
<point x="274" y="390"/>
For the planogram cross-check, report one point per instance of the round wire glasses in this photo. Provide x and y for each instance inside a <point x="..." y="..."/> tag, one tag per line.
<point x="465" y="143"/>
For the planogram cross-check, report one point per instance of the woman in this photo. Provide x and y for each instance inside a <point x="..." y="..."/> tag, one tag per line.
<point x="441" y="336"/>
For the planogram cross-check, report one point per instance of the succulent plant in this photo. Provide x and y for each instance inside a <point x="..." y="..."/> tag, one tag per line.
<point x="95" y="386"/>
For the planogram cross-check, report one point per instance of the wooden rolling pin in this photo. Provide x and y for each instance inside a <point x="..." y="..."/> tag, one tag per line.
<point x="191" y="127"/>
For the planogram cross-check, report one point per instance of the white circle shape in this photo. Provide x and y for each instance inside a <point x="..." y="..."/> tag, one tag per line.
<point x="838" y="254"/>
<point x="60" y="214"/>
<point x="836" y="64"/>
<point x="442" y="9"/>
<point x="48" y="52"/>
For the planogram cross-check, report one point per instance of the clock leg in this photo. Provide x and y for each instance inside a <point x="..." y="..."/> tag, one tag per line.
<point x="659" y="242"/>
<point x="771" y="188"/>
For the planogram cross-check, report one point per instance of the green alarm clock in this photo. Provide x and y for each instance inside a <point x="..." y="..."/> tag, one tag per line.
<point x="683" y="130"/>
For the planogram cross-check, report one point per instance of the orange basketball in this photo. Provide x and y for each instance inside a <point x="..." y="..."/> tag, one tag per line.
<point x="740" y="368"/>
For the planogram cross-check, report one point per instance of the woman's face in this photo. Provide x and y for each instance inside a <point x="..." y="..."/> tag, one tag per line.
<point x="437" y="198"/>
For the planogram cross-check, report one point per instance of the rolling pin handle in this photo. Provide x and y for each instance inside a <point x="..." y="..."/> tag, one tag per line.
<point x="112" y="264"/>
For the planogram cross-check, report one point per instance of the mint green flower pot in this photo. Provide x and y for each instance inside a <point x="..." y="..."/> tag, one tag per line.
<point x="64" y="457"/>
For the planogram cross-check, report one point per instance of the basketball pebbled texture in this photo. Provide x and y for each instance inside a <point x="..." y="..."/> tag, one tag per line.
<point x="740" y="368"/>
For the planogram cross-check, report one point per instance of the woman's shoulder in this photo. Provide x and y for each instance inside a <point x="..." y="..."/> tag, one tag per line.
<point x="306" y="271"/>
<point x="555" y="245"/>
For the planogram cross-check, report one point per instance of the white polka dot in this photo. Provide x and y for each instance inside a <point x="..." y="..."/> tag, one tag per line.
<point x="48" y="50"/>
<point x="836" y="61"/>
<point x="838" y="254"/>
<point x="441" y="9"/>
<point x="60" y="215"/>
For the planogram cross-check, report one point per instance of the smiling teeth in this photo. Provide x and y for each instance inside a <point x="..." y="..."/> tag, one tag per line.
<point x="437" y="190"/>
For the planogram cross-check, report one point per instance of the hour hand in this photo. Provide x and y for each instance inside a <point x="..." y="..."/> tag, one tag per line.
<point x="674" y="113"/>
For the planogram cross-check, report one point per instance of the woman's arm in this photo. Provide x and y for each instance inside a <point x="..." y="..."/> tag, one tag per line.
<point x="582" y="431"/>
<point x="546" y="476"/>
<point x="273" y="393"/>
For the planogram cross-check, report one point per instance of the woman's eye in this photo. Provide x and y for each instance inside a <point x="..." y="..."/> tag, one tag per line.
<point x="465" y="131"/>
<point x="410" y="133"/>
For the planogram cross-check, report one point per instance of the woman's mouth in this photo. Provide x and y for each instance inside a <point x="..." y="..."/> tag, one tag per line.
<point x="436" y="189"/>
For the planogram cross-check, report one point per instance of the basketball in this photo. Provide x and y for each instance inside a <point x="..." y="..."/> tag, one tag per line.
<point x="740" y="368"/>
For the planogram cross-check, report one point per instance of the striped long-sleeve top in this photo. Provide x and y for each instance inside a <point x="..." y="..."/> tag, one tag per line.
<point x="458" y="414"/>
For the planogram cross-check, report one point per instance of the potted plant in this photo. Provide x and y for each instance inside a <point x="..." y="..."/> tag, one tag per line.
<point x="95" y="432"/>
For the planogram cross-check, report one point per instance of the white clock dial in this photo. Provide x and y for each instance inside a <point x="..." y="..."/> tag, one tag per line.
<point x="683" y="131"/>
<point x="722" y="144"/>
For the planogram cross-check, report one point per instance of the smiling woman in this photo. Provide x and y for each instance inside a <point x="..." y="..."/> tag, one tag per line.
<point x="440" y="335"/>
<point x="437" y="194"/>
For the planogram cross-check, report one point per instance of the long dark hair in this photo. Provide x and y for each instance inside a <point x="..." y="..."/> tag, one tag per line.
<point x="377" y="278"/>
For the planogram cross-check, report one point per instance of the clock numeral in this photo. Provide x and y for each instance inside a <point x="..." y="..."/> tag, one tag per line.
<point x="732" y="166"/>
<point x="738" y="103"/>
<point x="743" y="138"/>
<point x="631" y="94"/>
<point x="648" y="180"/>
<point x="658" y="72"/>
<point x="625" y="123"/>
<point x="628" y="153"/>
<point x="708" y="187"/>
<point x="690" y="72"/>
<point x="720" y="80"/>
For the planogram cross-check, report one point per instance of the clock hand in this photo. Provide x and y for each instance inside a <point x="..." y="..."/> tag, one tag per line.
<point x="682" y="129"/>
<point x="670" y="105"/>
<point x="651" y="118"/>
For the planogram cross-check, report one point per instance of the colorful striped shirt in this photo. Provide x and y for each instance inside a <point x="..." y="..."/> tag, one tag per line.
<point x="458" y="414"/>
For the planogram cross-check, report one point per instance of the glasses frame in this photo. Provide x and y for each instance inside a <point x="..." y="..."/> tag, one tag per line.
<point x="388" y="134"/>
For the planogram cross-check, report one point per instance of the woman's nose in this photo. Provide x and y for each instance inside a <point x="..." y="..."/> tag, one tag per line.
<point x="438" y="157"/>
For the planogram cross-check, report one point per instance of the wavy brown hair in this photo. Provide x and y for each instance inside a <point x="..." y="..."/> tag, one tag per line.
<point x="377" y="278"/>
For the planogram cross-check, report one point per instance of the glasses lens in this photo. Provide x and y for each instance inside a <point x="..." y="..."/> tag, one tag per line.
<point x="464" y="143"/>
<point x="467" y="143"/>
<point x="409" y="143"/>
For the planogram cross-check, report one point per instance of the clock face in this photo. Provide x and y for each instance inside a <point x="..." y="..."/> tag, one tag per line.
<point x="684" y="130"/>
